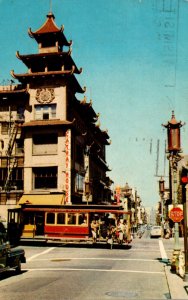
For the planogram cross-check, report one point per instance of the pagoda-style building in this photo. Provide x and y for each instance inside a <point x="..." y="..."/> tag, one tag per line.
<point x="52" y="150"/>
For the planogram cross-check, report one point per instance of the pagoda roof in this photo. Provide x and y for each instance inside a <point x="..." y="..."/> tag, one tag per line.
<point x="173" y="122"/>
<point x="36" y="74"/>
<point x="103" y="162"/>
<point x="49" y="27"/>
<point x="26" y="77"/>
<point x="55" y="58"/>
<point x="103" y="134"/>
<point x="87" y="109"/>
<point x="88" y="112"/>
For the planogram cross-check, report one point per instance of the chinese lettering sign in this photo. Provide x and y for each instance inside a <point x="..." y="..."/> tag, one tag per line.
<point x="68" y="167"/>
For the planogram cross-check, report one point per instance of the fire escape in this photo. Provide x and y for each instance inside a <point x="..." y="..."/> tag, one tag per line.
<point x="11" y="159"/>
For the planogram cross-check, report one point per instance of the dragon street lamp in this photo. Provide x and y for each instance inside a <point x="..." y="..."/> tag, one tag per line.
<point x="174" y="148"/>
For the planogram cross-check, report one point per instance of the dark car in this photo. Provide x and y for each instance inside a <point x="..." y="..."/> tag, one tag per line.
<point x="10" y="258"/>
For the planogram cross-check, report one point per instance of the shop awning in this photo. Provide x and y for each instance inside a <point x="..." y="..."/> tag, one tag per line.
<point x="42" y="199"/>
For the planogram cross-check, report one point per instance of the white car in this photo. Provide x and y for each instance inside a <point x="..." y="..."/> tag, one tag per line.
<point x="155" y="231"/>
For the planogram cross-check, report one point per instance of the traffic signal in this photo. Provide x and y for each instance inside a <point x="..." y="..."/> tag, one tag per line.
<point x="184" y="176"/>
<point x="184" y="181"/>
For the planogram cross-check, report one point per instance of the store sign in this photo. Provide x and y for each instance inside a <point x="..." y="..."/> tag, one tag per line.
<point x="68" y="167"/>
<point x="118" y="194"/>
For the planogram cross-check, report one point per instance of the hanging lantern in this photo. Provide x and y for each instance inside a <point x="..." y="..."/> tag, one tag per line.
<point x="173" y="134"/>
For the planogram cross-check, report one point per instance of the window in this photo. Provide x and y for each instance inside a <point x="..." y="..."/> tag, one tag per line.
<point x="19" y="146"/>
<point x="45" y="112"/>
<point x="79" y="183"/>
<point x="45" y="178"/>
<point x="17" y="178"/>
<point x="4" y="128"/>
<point x="61" y="218"/>
<point x="71" y="219"/>
<point x="45" y="144"/>
<point x="79" y="156"/>
<point x="20" y="113"/>
<point x="82" y="219"/>
<point x="50" y="219"/>
<point x="3" y="173"/>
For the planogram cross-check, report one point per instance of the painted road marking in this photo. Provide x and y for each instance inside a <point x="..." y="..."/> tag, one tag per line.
<point x="41" y="253"/>
<point x="162" y="250"/>
<point x="93" y="270"/>
<point x="97" y="258"/>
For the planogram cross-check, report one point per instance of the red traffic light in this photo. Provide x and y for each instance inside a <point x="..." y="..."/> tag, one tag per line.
<point x="184" y="179"/>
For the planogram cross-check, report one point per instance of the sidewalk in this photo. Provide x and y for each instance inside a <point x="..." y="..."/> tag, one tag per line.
<point x="177" y="286"/>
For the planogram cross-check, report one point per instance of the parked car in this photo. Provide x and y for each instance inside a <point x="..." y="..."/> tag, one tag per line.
<point x="10" y="258"/>
<point x="155" y="231"/>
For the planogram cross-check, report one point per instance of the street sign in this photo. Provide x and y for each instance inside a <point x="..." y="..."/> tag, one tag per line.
<point x="176" y="214"/>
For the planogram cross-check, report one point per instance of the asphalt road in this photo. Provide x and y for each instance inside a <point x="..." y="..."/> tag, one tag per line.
<point x="87" y="272"/>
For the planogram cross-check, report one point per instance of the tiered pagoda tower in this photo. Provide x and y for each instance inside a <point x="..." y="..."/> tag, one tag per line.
<point x="63" y="147"/>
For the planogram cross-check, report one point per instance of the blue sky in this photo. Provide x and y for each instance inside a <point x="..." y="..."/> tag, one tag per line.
<point x="135" y="66"/>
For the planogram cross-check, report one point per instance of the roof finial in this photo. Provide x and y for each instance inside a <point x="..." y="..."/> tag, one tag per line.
<point x="50" y="6"/>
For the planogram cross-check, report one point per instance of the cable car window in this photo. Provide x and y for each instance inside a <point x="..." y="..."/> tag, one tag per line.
<point x="71" y="219"/>
<point x="61" y="218"/>
<point x="82" y="219"/>
<point x="50" y="218"/>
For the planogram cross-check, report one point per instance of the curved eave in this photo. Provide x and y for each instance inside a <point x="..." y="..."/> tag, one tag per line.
<point x="43" y="35"/>
<point x="88" y="109"/>
<point x="103" y="163"/>
<point x="63" y="57"/>
<point x="48" y="26"/>
<point x="39" y="123"/>
<point x="102" y="135"/>
<point x="173" y="123"/>
<point x="38" y="74"/>
<point x="105" y="134"/>
<point x="108" y="143"/>
<point x="76" y="86"/>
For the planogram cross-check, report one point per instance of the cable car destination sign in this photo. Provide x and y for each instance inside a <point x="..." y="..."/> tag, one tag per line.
<point x="176" y="213"/>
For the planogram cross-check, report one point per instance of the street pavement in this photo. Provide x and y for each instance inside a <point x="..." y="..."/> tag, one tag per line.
<point x="177" y="286"/>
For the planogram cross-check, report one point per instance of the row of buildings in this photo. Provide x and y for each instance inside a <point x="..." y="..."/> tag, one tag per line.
<point x="130" y="200"/>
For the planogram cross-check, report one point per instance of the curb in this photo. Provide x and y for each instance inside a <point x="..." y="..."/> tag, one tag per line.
<point x="177" y="287"/>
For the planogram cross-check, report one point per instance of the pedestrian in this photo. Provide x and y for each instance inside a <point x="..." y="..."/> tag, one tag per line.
<point x="120" y="231"/>
<point x="94" y="229"/>
<point x="166" y="229"/>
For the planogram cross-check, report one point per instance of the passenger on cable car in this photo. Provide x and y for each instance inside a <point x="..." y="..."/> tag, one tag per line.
<point x="94" y="229"/>
<point x="120" y="231"/>
<point x="103" y="229"/>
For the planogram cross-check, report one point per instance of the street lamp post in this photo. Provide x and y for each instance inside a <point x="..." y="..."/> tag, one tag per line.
<point x="161" y="193"/>
<point x="174" y="148"/>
